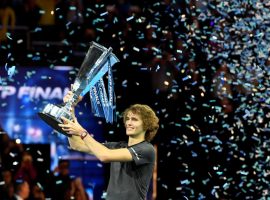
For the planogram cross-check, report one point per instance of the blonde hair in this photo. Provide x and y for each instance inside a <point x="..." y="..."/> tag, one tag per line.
<point x="148" y="116"/>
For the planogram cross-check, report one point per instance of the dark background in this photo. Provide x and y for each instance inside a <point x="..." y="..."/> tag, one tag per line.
<point x="203" y="66"/>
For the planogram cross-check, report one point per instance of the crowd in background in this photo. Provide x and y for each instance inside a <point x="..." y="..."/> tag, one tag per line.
<point x="21" y="176"/>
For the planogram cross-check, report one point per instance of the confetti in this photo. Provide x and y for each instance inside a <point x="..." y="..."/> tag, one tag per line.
<point x="214" y="101"/>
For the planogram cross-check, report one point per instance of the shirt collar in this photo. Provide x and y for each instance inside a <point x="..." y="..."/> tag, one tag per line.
<point x="18" y="197"/>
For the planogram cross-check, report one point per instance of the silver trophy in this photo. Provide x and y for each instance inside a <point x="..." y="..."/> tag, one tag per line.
<point x="97" y="62"/>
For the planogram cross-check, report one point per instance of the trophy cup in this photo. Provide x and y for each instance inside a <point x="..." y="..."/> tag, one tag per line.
<point x="98" y="61"/>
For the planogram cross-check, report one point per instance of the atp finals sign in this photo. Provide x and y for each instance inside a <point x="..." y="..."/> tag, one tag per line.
<point x="33" y="92"/>
<point x="35" y="83"/>
<point x="25" y="93"/>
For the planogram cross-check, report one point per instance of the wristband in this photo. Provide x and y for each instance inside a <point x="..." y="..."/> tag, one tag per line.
<point x="84" y="134"/>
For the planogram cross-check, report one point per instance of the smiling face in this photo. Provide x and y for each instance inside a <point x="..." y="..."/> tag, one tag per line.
<point x="145" y="117"/>
<point x="134" y="125"/>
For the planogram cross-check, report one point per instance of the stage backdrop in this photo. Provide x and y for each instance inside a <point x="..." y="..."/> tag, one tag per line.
<point x="24" y="91"/>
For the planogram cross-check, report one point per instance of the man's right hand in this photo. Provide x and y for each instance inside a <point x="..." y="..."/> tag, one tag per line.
<point x="69" y="95"/>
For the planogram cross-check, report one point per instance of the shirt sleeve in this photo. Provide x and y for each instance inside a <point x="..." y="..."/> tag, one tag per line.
<point x="110" y="145"/>
<point x="142" y="153"/>
<point x="115" y="145"/>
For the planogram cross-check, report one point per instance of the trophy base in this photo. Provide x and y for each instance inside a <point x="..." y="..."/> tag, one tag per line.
<point x="52" y="114"/>
<point x="51" y="121"/>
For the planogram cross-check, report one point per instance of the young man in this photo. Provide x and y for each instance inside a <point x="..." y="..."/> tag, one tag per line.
<point x="132" y="162"/>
